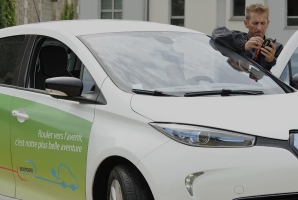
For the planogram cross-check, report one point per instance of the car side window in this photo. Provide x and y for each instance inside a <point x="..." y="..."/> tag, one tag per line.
<point x="10" y="49"/>
<point x="88" y="81"/>
<point x="294" y="62"/>
<point x="285" y="76"/>
<point x="52" y="58"/>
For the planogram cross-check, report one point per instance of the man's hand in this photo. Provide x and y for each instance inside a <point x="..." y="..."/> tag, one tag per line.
<point x="253" y="43"/>
<point x="269" y="52"/>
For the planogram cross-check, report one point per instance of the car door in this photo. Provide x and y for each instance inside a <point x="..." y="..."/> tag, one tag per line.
<point x="11" y="50"/>
<point x="291" y="68"/>
<point x="49" y="136"/>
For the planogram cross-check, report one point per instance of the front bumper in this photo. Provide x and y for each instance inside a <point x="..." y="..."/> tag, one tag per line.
<point x="226" y="173"/>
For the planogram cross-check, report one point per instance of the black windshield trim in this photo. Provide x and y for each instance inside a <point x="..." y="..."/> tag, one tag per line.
<point x="280" y="83"/>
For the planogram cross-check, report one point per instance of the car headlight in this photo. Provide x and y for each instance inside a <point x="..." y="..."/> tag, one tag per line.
<point x="204" y="137"/>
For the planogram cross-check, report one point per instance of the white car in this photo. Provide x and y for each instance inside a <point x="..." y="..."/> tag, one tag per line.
<point x="287" y="62"/>
<point x="127" y="110"/>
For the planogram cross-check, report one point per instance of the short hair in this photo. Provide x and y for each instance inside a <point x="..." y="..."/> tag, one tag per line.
<point x="257" y="7"/>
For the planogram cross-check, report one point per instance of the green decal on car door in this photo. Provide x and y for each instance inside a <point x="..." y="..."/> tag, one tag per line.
<point x="7" y="182"/>
<point x="49" y="148"/>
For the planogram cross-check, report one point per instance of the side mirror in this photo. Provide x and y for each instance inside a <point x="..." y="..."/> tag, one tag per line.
<point x="70" y="88"/>
<point x="294" y="81"/>
<point x="64" y="87"/>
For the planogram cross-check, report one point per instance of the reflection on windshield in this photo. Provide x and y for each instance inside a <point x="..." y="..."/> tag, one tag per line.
<point x="175" y="62"/>
<point x="244" y="66"/>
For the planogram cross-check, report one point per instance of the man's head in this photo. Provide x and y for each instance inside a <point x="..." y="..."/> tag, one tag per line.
<point x="257" y="19"/>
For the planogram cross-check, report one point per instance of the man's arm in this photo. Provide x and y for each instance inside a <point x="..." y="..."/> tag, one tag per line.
<point x="234" y="40"/>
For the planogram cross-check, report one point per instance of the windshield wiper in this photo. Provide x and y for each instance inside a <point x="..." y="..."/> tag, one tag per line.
<point x="153" y="93"/>
<point x="223" y="92"/>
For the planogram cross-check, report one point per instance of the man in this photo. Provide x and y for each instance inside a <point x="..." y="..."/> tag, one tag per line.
<point x="256" y="22"/>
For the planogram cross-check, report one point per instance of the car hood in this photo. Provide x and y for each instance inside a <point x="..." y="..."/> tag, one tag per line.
<point x="269" y="116"/>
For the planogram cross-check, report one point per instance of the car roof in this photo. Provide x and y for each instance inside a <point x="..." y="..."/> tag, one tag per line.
<point x="86" y="27"/>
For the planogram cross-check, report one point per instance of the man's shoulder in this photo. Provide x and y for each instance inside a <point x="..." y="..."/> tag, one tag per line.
<point x="232" y="39"/>
<point x="226" y="30"/>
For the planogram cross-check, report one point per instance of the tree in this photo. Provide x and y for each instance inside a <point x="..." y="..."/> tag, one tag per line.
<point x="68" y="12"/>
<point x="7" y="13"/>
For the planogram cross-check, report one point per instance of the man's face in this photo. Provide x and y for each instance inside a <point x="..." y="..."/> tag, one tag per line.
<point x="257" y="24"/>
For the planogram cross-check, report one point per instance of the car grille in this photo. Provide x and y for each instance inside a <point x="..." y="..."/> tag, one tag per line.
<point x="291" y="196"/>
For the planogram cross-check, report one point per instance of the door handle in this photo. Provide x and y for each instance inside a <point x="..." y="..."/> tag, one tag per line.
<point x="20" y="115"/>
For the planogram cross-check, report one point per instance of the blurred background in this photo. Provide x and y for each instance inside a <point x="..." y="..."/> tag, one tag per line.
<point x="200" y="15"/>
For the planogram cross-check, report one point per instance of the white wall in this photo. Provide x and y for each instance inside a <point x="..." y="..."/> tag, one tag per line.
<point x="134" y="9"/>
<point x="89" y="9"/>
<point x="201" y="15"/>
<point x="248" y="2"/>
<point x="159" y="11"/>
<point x="46" y="11"/>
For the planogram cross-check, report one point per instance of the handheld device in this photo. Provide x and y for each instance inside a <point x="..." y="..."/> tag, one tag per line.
<point x="267" y="42"/>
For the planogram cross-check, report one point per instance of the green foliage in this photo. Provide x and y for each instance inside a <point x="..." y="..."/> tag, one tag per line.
<point x="7" y="13"/>
<point x="71" y="11"/>
<point x="68" y="11"/>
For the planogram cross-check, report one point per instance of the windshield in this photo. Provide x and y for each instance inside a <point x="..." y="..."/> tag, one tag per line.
<point x="175" y="62"/>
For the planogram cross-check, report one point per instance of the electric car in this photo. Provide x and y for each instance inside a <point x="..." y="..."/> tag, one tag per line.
<point x="130" y="110"/>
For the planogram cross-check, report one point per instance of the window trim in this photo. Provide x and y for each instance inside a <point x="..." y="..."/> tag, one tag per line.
<point x="232" y="16"/>
<point x="290" y="17"/>
<point x="19" y="62"/>
<point x="26" y="61"/>
<point x="113" y="11"/>
<point x="176" y="17"/>
<point x="28" y="51"/>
